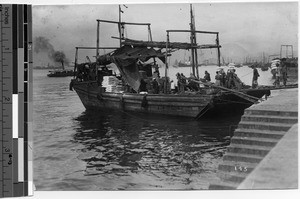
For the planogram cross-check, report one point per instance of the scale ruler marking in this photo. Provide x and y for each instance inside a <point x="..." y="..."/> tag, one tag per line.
<point x="16" y="100"/>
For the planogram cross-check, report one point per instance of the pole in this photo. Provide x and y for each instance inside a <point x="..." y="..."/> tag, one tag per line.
<point x="192" y="40"/>
<point x="150" y="35"/>
<point x="98" y="30"/>
<point x="166" y="63"/>
<point x="195" y="43"/>
<point x="219" y="54"/>
<point x="75" y="64"/>
<point x="119" y="25"/>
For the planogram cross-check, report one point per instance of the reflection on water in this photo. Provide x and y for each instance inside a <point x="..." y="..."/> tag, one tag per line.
<point x="172" y="151"/>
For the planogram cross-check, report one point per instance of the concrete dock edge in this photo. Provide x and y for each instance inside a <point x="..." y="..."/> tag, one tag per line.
<point x="279" y="169"/>
<point x="263" y="152"/>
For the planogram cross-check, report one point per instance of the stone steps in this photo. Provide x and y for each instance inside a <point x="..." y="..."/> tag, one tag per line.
<point x="259" y="151"/>
<point x="270" y="112"/>
<point x="233" y="176"/>
<point x="270" y="118"/>
<point x="258" y="133"/>
<point x="270" y="142"/>
<point x="242" y="157"/>
<point x="272" y="126"/>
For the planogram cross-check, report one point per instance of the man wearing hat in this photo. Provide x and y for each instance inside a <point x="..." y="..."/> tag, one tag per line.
<point x="155" y="86"/>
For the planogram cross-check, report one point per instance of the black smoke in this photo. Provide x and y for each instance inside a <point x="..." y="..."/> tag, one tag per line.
<point x="42" y="44"/>
<point x="59" y="56"/>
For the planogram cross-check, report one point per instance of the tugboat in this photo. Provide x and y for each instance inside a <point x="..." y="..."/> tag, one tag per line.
<point x="136" y="89"/>
<point x="61" y="73"/>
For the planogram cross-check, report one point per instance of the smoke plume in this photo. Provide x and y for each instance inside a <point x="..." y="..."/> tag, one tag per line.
<point x="42" y="44"/>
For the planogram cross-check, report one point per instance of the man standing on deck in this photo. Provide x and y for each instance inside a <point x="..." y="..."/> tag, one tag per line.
<point x="155" y="86"/>
<point x="143" y="86"/>
<point x="255" y="77"/>
<point x="183" y="82"/>
<point x="222" y="77"/>
<point x="179" y="82"/>
<point x="207" y="76"/>
<point x="218" y="79"/>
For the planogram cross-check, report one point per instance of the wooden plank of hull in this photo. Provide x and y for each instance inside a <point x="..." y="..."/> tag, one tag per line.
<point x="188" y="106"/>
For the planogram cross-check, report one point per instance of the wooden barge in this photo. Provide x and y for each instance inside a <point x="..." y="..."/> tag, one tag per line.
<point x="187" y="105"/>
<point x="210" y="100"/>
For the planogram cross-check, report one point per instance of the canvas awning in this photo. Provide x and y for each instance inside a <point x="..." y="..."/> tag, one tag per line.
<point x="126" y="59"/>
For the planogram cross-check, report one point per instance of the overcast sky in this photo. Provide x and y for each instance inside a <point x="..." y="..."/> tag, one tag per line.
<point x="245" y="28"/>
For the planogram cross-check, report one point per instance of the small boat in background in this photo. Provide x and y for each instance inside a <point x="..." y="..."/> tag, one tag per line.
<point x="234" y="65"/>
<point x="60" y="73"/>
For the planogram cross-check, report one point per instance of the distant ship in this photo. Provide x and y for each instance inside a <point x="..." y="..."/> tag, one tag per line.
<point x="234" y="65"/>
<point x="183" y="64"/>
<point x="60" y="73"/>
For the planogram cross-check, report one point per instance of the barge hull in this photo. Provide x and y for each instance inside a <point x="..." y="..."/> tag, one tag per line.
<point x="176" y="105"/>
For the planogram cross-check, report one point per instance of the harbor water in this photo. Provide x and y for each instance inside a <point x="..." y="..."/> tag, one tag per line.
<point x="79" y="150"/>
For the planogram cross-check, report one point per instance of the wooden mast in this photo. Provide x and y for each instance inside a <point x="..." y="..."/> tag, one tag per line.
<point x="120" y="26"/>
<point x="219" y="54"/>
<point x="195" y="43"/>
<point x="98" y="38"/>
<point x="166" y="63"/>
<point x="192" y="40"/>
<point x="75" y="63"/>
<point x="150" y="38"/>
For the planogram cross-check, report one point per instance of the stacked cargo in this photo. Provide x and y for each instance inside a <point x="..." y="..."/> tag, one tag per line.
<point x="112" y="84"/>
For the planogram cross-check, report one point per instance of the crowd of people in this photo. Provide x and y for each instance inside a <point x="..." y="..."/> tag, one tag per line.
<point x="187" y="83"/>
<point x="228" y="80"/>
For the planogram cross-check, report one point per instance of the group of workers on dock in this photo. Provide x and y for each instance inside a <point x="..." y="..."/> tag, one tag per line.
<point x="192" y="83"/>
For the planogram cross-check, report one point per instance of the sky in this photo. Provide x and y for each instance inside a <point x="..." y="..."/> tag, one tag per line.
<point x="245" y="29"/>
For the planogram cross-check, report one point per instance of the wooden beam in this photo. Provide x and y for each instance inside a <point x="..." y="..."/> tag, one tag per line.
<point x="207" y="46"/>
<point x="162" y="44"/>
<point x="82" y="47"/>
<point x="196" y="31"/>
<point x="125" y="23"/>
